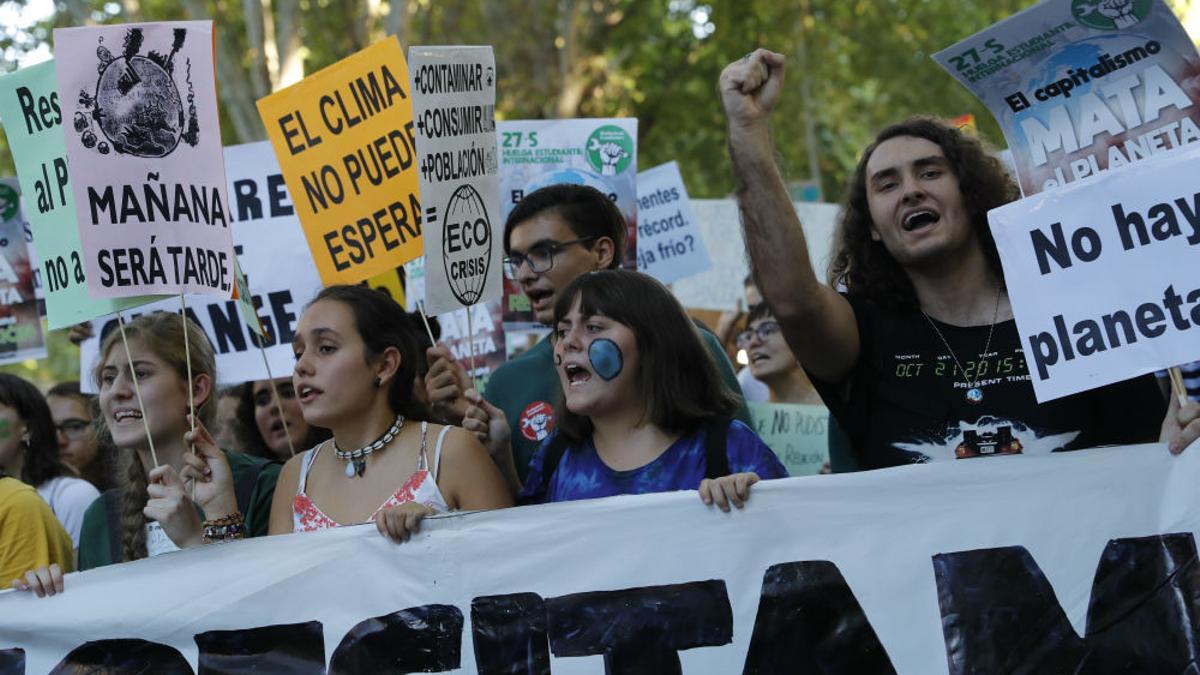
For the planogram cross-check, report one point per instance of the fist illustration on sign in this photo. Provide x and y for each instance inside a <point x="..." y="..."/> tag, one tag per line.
<point x="1119" y="11"/>
<point x="610" y="155"/>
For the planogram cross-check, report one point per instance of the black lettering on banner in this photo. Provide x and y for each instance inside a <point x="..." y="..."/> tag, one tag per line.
<point x="509" y="635"/>
<point x="641" y="630"/>
<point x="810" y="622"/>
<point x="286" y="648"/>
<point x="227" y="326"/>
<point x="12" y="661"/>
<point x="245" y="197"/>
<point x="426" y="639"/>
<point x="123" y="656"/>
<point x="1000" y="614"/>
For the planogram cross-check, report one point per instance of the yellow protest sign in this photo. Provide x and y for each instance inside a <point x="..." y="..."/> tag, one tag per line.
<point x="345" y="142"/>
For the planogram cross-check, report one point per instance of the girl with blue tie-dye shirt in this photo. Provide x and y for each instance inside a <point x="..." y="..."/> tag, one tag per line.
<point x="643" y="403"/>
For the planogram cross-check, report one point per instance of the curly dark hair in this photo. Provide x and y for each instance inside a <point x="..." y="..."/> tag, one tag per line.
<point x="864" y="265"/>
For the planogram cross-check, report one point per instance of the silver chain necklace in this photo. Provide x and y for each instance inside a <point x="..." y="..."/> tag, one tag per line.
<point x="356" y="460"/>
<point x="974" y="393"/>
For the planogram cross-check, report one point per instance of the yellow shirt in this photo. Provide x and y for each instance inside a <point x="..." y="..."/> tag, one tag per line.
<point x="30" y="535"/>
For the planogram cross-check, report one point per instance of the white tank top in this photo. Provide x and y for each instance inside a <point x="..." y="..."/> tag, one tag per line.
<point x="421" y="487"/>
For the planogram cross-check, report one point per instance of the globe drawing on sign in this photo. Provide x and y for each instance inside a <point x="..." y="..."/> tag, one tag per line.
<point x="467" y="244"/>
<point x="572" y="177"/>
<point x="137" y="108"/>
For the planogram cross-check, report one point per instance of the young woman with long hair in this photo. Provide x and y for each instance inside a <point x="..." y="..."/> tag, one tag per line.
<point x="263" y="431"/>
<point x="152" y="510"/>
<point x="357" y="355"/>
<point x="643" y="409"/>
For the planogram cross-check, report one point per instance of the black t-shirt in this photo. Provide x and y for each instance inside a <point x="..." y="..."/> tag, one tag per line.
<point x="906" y="400"/>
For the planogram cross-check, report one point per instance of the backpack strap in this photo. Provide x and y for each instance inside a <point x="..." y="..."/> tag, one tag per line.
<point x="112" y="514"/>
<point x="716" y="455"/>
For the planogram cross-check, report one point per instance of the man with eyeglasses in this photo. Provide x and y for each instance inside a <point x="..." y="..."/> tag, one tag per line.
<point x="551" y="237"/>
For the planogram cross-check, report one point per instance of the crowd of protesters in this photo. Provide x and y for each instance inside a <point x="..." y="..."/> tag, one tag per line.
<point x="626" y="394"/>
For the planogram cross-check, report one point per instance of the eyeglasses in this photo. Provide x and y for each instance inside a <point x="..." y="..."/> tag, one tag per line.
<point x="540" y="257"/>
<point x="764" y="330"/>
<point x="74" y="428"/>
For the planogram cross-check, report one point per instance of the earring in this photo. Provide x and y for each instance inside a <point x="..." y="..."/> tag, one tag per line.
<point x="378" y="382"/>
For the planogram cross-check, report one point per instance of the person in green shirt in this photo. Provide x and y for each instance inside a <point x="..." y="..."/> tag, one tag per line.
<point x="179" y="490"/>
<point x="552" y="236"/>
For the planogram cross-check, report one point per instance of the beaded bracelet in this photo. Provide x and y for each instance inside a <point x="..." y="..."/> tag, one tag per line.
<point x="225" y="529"/>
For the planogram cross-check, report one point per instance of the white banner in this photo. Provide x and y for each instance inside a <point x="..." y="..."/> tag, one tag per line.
<point x="1104" y="275"/>
<point x="721" y="287"/>
<point x="278" y="264"/>
<point x="669" y="242"/>
<point x="454" y="104"/>
<point x="987" y="565"/>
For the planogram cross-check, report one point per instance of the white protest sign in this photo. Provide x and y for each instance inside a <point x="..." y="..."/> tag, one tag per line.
<point x="279" y="268"/>
<point x="145" y="156"/>
<point x="1081" y="86"/>
<point x="454" y="105"/>
<point x="721" y="287"/>
<point x="669" y="243"/>
<point x="1104" y="275"/>
<point x="874" y="572"/>
<point x="598" y="153"/>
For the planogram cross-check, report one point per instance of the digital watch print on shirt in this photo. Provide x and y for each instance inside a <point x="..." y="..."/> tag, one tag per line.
<point x="1000" y="375"/>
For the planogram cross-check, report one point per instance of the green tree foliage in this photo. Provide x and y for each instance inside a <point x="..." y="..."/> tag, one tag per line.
<point x="853" y="65"/>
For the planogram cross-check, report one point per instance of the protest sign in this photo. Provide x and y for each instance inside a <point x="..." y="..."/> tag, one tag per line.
<point x="797" y="433"/>
<point x="344" y="138"/>
<point x="1079" y="87"/>
<point x="876" y="572"/>
<point x="145" y="157"/>
<point x="32" y="115"/>
<point x="600" y="153"/>
<point x="21" y="334"/>
<point x="273" y="254"/>
<point x="1102" y="274"/>
<point x="669" y="243"/>
<point x="484" y="327"/>
<point x="721" y="287"/>
<point x="454" y="105"/>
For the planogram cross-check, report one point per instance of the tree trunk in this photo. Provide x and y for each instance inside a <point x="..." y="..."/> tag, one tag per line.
<point x="289" y="57"/>
<point x="256" y="44"/>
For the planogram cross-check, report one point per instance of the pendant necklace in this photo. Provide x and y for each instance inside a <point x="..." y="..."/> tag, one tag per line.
<point x="974" y="393"/>
<point x="356" y="460"/>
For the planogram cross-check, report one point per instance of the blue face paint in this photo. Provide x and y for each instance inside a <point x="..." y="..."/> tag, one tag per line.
<point x="606" y="358"/>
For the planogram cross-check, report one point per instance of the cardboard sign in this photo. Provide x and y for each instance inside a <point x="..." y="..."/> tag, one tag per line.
<point x="721" y="287"/>
<point x="1080" y="86"/>
<point x="344" y="138"/>
<point x="21" y="334"/>
<point x="886" y="571"/>
<point x="798" y="434"/>
<point x="601" y="153"/>
<point x="454" y="105"/>
<point x="669" y="242"/>
<point x="32" y="116"/>
<point x="1103" y="274"/>
<point x="281" y="278"/>
<point x="144" y="150"/>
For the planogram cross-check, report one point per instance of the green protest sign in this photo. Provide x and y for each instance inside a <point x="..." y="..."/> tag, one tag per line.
<point x="798" y="434"/>
<point x="32" y="117"/>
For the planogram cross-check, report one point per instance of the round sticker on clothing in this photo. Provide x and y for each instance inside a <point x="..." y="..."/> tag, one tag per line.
<point x="537" y="421"/>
